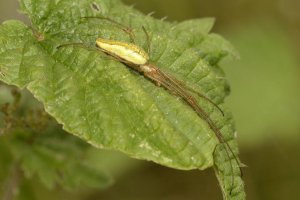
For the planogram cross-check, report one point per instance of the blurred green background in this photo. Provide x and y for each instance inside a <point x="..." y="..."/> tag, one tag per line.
<point x="264" y="99"/>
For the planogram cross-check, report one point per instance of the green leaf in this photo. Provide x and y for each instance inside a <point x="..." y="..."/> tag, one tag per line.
<point x="108" y="105"/>
<point x="214" y="48"/>
<point x="37" y="145"/>
<point x="55" y="158"/>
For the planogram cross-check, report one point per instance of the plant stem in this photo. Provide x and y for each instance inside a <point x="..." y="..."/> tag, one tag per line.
<point x="11" y="188"/>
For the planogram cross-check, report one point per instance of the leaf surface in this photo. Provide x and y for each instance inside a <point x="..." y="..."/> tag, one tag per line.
<point x="109" y="105"/>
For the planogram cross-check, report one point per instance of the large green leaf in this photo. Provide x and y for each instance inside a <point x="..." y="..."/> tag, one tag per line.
<point x="110" y="106"/>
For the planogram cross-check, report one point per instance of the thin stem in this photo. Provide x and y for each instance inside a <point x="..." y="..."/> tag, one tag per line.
<point x="11" y="187"/>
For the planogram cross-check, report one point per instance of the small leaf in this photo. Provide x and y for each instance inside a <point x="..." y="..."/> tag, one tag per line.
<point x="57" y="160"/>
<point x="110" y="106"/>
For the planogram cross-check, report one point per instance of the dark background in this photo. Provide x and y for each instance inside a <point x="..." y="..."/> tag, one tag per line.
<point x="265" y="101"/>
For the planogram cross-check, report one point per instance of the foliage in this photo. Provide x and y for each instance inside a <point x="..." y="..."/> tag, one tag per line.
<point x="32" y="144"/>
<point x="110" y="106"/>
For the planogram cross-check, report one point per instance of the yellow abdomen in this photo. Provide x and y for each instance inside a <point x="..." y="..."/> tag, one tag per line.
<point x="126" y="51"/>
